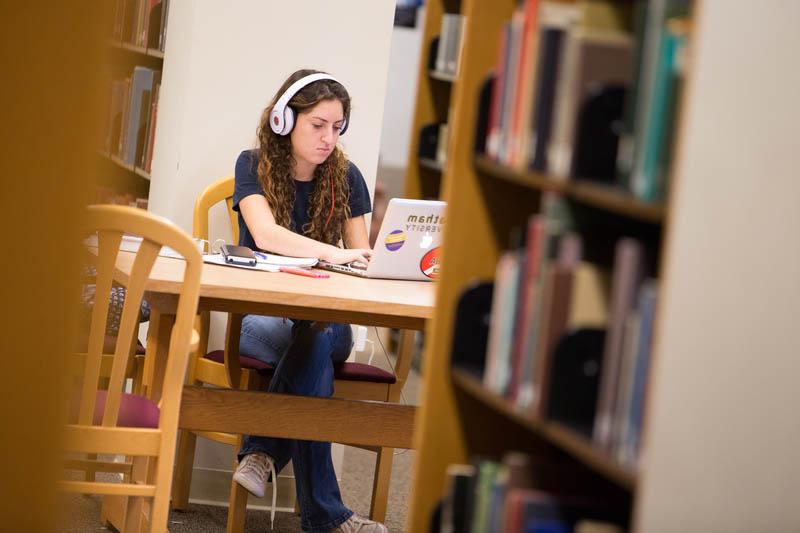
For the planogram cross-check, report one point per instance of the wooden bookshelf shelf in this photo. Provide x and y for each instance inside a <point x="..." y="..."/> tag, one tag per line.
<point x="555" y="433"/>
<point x="141" y="172"/>
<point x="131" y="168"/>
<point x="441" y="76"/>
<point x="599" y="196"/>
<point x="431" y="164"/>
<point x="150" y="52"/>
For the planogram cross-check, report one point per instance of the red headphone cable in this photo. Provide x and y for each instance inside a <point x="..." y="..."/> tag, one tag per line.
<point x="333" y="198"/>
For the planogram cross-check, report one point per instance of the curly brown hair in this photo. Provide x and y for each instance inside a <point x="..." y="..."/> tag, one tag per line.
<point x="276" y="165"/>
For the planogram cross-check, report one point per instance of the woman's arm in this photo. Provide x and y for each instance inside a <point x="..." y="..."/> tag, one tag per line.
<point x="355" y="233"/>
<point x="274" y="238"/>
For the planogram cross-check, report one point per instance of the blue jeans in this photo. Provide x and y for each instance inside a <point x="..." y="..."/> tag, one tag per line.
<point x="304" y="353"/>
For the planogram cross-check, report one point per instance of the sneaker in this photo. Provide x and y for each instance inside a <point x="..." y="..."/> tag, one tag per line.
<point x="252" y="474"/>
<point x="359" y="524"/>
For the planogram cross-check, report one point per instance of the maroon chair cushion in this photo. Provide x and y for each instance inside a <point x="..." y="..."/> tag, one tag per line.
<point x="362" y="372"/>
<point x="343" y="371"/>
<point x="134" y="411"/>
<point x="218" y="356"/>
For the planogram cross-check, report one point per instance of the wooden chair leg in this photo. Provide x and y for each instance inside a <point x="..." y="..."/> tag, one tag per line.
<point x="184" y="463"/>
<point x="296" y="505"/>
<point x="237" y="508"/>
<point x="237" y="500"/>
<point x="380" y="485"/>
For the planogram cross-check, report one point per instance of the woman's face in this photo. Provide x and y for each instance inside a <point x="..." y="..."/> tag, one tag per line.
<point x="316" y="132"/>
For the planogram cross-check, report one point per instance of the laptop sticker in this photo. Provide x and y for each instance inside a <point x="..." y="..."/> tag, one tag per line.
<point x="395" y="240"/>
<point x="429" y="265"/>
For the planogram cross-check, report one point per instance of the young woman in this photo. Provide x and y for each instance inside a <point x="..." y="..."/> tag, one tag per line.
<point x="298" y="195"/>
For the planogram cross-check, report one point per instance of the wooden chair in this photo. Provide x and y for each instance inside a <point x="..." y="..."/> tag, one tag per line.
<point x="356" y="381"/>
<point x="110" y="421"/>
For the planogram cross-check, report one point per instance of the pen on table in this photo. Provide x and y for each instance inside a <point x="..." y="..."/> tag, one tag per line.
<point x="304" y="272"/>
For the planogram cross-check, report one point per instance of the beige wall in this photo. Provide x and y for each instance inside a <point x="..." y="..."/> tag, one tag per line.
<point x="723" y="449"/>
<point x="225" y="60"/>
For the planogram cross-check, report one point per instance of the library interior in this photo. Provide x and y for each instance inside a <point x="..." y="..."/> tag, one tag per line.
<point x="579" y="319"/>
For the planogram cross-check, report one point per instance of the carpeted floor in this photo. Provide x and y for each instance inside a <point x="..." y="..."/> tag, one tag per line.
<point x="356" y="486"/>
<point x="83" y="512"/>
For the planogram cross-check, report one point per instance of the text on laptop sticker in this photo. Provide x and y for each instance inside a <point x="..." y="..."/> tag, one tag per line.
<point x="421" y="223"/>
<point x="429" y="265"/>
<point x="395" y="240"/>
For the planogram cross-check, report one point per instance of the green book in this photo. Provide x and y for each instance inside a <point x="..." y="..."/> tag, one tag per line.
<point x="487" y="474"/>
<point x="650" y="184"/>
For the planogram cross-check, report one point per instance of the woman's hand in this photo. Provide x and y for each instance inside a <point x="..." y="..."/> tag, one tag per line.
<point x="340" y="256"/>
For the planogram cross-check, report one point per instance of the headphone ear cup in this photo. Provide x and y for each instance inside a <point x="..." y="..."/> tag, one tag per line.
<point x="275" y="121"/>
<point x="288" y="121"/>
<point x="344" y="127"/>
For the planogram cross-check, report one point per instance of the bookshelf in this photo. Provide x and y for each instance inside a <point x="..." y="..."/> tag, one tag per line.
<point x="494" y="199"/>
<point x="136" y="44"/>
<point x="707" y="444"/>
<point x="425" y="176"/>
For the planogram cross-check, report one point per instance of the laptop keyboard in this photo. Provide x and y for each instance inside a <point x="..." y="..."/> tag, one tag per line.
<point x="354" y="269"/>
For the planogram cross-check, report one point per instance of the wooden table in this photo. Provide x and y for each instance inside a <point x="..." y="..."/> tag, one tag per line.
<point x="340" y="298"/>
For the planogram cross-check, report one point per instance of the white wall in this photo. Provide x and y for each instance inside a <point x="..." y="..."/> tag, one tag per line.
<point x="723" y="446"/>
<point x="401" y="93"/>
<point x="225" y="60"/>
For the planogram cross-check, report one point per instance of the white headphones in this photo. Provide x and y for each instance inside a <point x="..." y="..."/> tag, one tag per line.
<point x="281" y="118"/>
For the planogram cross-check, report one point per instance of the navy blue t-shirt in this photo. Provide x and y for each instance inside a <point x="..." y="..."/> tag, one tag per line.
<point x="247" y="183"/>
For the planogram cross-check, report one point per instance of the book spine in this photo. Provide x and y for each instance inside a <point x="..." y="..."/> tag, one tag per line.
<point x="627" y="274"/>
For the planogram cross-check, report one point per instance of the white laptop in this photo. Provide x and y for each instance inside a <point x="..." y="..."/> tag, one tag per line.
<point x="408" y="243"/>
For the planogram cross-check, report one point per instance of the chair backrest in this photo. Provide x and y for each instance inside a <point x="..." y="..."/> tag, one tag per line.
<point x="218" y="191"/>
<point x="110" y="223"/>
<point x="138" y="438"/>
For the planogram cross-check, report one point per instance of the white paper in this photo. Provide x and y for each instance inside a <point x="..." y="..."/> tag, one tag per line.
<point x="284" y="260"/>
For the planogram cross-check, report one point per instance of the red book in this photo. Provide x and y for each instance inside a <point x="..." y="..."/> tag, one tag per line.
<point x="533" y="252"/>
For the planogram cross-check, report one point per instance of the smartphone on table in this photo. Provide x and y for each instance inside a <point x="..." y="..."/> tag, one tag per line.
<point x="238" y="255"/>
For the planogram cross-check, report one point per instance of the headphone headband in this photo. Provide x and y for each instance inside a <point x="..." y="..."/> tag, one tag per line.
<point x="281" y="118"/>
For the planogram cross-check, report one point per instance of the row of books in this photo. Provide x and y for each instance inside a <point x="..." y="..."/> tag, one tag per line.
<point x="577" y="93"/>
<point x="448" y="49"/>
<point x="131" y="118"/>
<point x="570" y="340"/>
<point x="141" y="23"/>
<point x="488" y="496"/>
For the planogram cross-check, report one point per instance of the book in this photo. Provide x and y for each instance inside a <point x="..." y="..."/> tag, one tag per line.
<point x="534" y="244"/>
<point x="498" y="90"/>
<point x="627" y="277"/>
<point x="650" y="26"/>
<point x="453" y="51"/>
<point x="487" y="471"/>
<point x="649" y="178"/>
<point x="557" y="220"/>
<point x="504" y="308"/>
<point x="591" y="58"/>
<point x="141" y="86"/>
<point x="549" y="61"/>
<point x="630" y="344"/>
<point x="526" y="71"/>
<point x="632" y="429"/>
<point x="510" y="86"/>
<point x="459" y="488"/>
